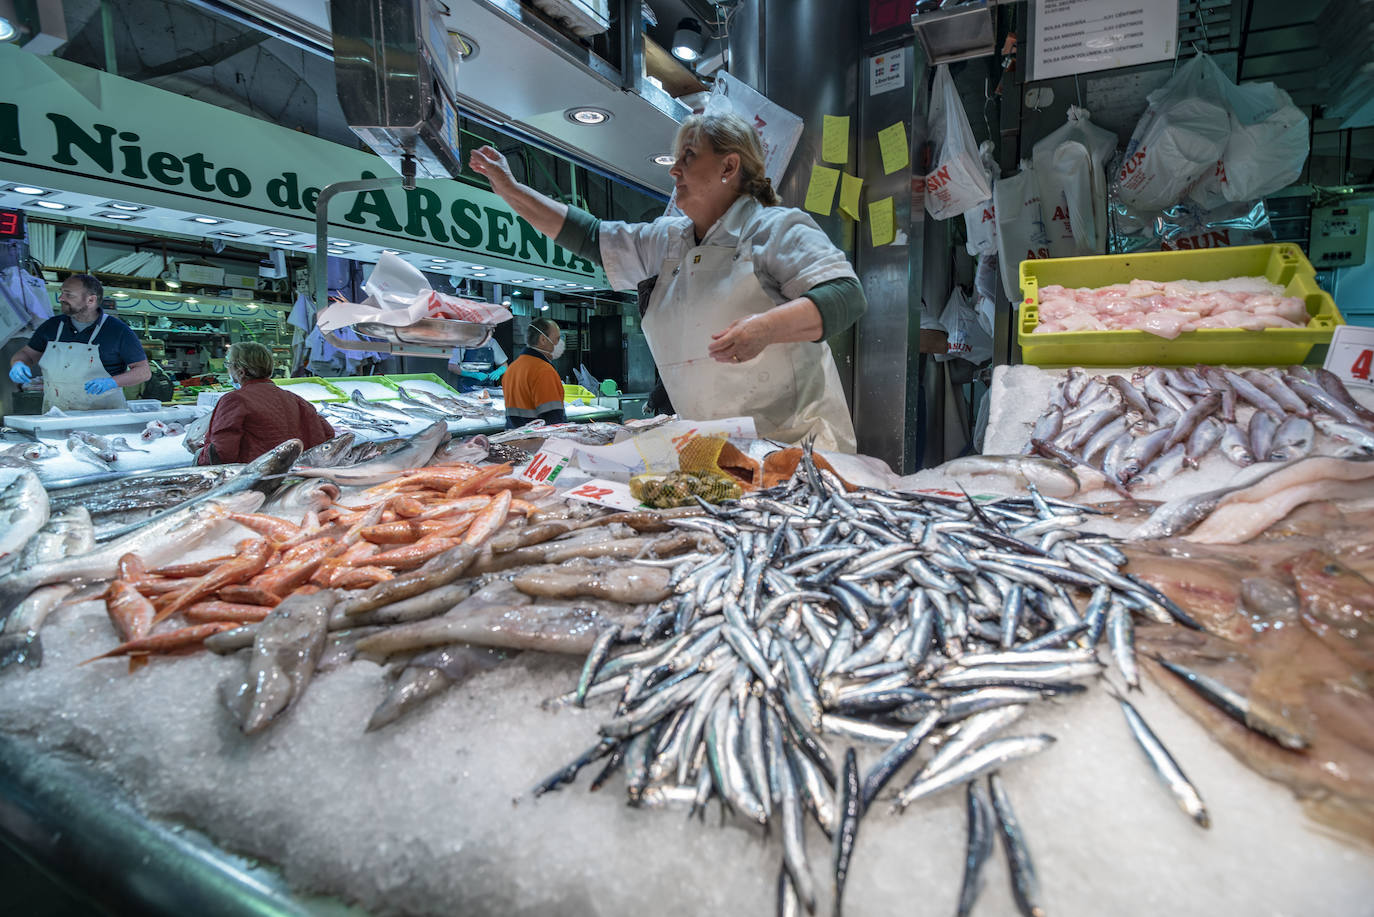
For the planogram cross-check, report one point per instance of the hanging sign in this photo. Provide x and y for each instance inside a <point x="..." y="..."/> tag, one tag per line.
<point x="75" y="129"/>
<point x="1076" y="36"/>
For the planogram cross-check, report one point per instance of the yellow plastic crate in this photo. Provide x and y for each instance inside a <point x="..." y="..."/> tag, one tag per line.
<point x="1283" y="264"/>
<point x="576" y="393"/>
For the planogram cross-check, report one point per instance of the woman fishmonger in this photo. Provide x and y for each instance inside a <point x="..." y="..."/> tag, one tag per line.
<point x="747" y="291"/>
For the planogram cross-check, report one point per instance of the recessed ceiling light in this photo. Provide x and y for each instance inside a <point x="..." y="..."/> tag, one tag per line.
<point x="440" y="260"/>
<point x="664" y="159"/>
<point x="231" y="235"/>
<point x="208" y="221"/>
<point x="589" y="288"/>
<point x="339" y="244"/>
<point x="390" y="251"/>
<point x="51" y="205"/>
<point x="286" y="242"/>
<point x="335" y="251"/>
<point x="275" y="232"/>
<point x="132" y="208"/>
<point x="28" y="189"/>
<point x="116" y="216"/>
<point x="587" y="115"/>
<point x="478" y="274"/>
<point x="192" y="300"/>
<point x="572" y="284"/>
<point x="120" y="295"/>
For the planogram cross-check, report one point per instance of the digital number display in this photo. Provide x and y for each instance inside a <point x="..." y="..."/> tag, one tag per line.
<point x="11" y="224"/>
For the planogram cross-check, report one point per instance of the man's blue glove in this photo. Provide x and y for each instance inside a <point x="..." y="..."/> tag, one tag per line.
<point x="20" y="373"/>
<point x="100" y="386"/>
<point x="496" y="374"/>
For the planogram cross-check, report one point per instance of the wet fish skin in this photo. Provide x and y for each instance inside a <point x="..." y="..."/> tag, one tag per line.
<point x="979" y="848"/>
<point x="886" y="767"/>
<point x="286" y="648"/>
<point x="428" y="675"/>
<point x="1235" y="445"/>
<point x="1293" y="439"/>
<point x="1337" y="390"/>
<point x="1237" y="706"/>
<point x="418" y="450"/>
<point x="1203" y="438"/>
<point x="1322" y="400"/>
<point x="849" y="802"/>
<point x="1025" y="886"/>
<point x="1121" y="637"/>
<point x="24" y="510"/>
<point x="1262" y="429"/>
<point x="329" y="453"/>
<point x="975" y="764"/>
<point x="1168" y="770"/>
<point x="1358" y="436"/>
<point x="1256" y="396"/>
<point x="1274" y="387"/>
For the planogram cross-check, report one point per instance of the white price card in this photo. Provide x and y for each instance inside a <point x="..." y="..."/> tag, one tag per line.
<point x="606" y="493"/>
<point x="548" y="463"/>
<point x="1351" y="354"/>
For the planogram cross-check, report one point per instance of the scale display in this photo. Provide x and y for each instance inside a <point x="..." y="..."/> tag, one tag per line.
<point x="11" y="224"/>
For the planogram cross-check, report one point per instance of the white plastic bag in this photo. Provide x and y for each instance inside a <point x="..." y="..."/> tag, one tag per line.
<point x="1020" y="228"/>
<point x="1265" y="152"/>
<point x="1070" y="171"/>
<point x="956" y="181"/>
<point x="1181" y="135"/>
<point x="980" y="221"/>
<point x="968" y="340"/>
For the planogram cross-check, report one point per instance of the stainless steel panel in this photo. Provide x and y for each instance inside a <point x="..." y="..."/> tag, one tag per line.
<point x="887" y="378"/>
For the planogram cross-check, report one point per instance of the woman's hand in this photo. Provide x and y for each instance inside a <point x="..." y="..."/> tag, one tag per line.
<point x="742" y="340"/>
<point x="489" y="162"/>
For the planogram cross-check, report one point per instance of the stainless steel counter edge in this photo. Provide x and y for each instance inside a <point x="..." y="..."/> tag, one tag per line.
<point x="79" y="827"/>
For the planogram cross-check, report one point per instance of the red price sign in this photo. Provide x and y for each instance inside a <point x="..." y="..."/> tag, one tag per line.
<point x="606" y="493"/>
<point x="11" y="224"/>
<point x="592" y="492"/>
<point x="1351" y="355"/>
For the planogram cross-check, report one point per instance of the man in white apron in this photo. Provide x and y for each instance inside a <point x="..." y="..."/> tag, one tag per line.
<point x="83" y="355"/>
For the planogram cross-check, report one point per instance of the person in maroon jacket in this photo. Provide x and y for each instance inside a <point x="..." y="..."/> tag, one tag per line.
<point x="260" y="414"/>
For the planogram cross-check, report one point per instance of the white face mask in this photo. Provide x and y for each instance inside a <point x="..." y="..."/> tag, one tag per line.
<point x="558" y="346"/>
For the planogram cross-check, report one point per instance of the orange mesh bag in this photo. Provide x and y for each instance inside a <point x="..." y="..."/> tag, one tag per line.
<point x="778" y="467"/>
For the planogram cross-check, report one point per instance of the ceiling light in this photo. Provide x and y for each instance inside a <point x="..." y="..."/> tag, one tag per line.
<point x="544" y="308"/>
<point x="506" y="302"/>
<point x="688" y="40"/>
<point x="275" y="232"/>
<point x="27" y="189"/>
<point x="116" y="216"/>
<point x="120" y="295"/>
<point x="478" y="274"/>
<point x="340" y="244"/>
<point x="589" y="288"/>
<point x="664" y="159"/>
<point x="7" y="30"/>
<point x="390" y="251"/>
<point x="587" y="115"/>
<point x="192" y="300"/>
<point x="208" y="221"/>
<point x="132" y="208"/>
<point x="231" y="235"/>
<point x="439" y="260"/>
<point x="335" y="251"/>
<point x="51" y="205"/>
<point x="173" y="284"/>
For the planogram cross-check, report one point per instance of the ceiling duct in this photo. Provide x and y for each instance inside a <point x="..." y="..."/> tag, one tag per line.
<point x="397" y="78"/>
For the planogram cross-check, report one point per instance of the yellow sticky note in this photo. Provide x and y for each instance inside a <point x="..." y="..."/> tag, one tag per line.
<point x="892" y="141"/>
<point x="880" y="221"/>
<point x="835" y="139"/>
<point x="820" y="194"/>
<point x="850" y="186"/>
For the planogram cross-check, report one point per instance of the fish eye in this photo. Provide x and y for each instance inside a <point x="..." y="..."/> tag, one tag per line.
<point x="1331" y="570"/>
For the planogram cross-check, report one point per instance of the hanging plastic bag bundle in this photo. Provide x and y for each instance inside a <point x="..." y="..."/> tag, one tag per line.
<point x="968" y="340"/>
<point x="980" y="221"/>
<point x="1181" y="135"/>
<point x="956" y="181"/>
<point x="1265" y="152"/>
<point x="1020" y="228"/>
<point x="1070" y="171"/>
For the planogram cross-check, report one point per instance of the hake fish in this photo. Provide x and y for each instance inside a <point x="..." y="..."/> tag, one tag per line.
<point x="329" y="453"/>
<point x="287" y="646"/>
<point x="380" y="470"/>
<point x="156" y="543"/>
<point x="263" y="474"/>
<point x="23" y="511"/>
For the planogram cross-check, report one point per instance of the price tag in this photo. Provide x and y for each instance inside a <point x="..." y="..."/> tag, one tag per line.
<point x="606" y="493"/>
<point x="548" y="463"/>
<point x="1351" y="355"/>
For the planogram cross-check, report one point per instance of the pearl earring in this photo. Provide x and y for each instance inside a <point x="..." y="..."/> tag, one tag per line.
<point x="723" y="179"/>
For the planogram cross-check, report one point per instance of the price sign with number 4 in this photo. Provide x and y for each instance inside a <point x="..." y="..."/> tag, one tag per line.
<point x="1351" y="355"/>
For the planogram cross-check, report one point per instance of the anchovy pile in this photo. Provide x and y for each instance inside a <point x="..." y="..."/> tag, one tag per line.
<point x="1145" y="429"/>
<point x="909" y="621"/>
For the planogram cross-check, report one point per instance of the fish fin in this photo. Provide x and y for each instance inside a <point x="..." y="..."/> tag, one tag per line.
<point x="136" y="663"/>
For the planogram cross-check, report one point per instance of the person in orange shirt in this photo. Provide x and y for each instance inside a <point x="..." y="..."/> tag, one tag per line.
<point x="532" y="386"/>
